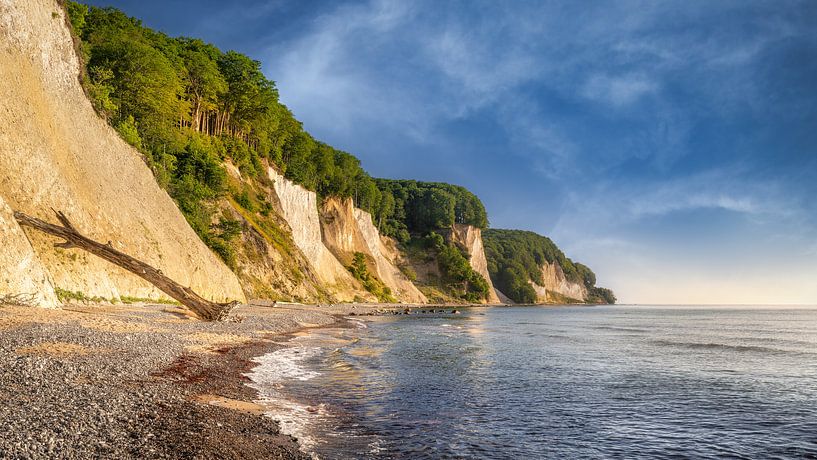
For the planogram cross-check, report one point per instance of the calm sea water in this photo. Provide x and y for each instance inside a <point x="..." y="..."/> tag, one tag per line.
<point x="519" y="383"/>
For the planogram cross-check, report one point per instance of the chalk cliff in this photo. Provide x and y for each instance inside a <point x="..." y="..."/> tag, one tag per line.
<point x="470" y="238"/>
<point x="299" y="207"/>
<point x="347" y="230"/>
<point x="56" y="152"/>
<point x="21" y="274"/>
<point x="553" y="286"/>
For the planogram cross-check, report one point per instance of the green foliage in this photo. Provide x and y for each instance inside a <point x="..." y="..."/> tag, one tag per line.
<point x="601" y="295"/>
<point x="244" y="200"/>
<point x="512" y="280"/>
<point x="458" y="275"/>
<point x="408" y="272"/>
<point x="220" y="238"/>
<point x="76" y="14"/>
<point x="265" y="207"/>
<point x="65" y="295"/>
<point x="100" y="90"/>
<point x="408" y="206"/>
<point x="127" y="129"/>
<point x="129" y="300"/>
<point x="360" y="271"/>
<point x="515" y="258"/>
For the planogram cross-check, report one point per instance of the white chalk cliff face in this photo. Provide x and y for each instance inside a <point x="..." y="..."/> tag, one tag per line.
<point x="300" y="209"/>
<point x="385" y="261"/>
<point x="21" y="273"/>
<point x="347" y="230"/>
<point x="553" y="280"/>
<point x="55" y="152"/>
<point x="470" y="238"/>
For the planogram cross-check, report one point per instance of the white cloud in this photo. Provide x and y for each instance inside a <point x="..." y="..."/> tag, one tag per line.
<point x="412" y="67"/>
<point x="620" y="90"/>
<point x="726" y="189"/>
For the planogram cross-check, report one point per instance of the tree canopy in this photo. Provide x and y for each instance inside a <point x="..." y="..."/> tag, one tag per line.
<point x="414" y="207"/>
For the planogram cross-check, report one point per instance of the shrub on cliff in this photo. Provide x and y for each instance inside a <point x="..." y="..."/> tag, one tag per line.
<point x="360" y="271"/>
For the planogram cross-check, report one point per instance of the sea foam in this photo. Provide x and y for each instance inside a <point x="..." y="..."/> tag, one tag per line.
<point x="269" y="377"/>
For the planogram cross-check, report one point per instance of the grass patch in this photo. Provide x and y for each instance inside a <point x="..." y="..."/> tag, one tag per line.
<point x="129" y="300"/>
<point x="559" y="298"/>
<point x="64" y="295"/>
<point x="273" y="234"/>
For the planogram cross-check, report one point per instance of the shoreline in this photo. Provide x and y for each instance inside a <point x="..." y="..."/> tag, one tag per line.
<point x="141" y="381"/>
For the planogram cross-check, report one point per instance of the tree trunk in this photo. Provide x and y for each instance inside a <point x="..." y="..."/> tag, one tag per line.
<point x="203" y="308"/>
<point x="195" y="118"/>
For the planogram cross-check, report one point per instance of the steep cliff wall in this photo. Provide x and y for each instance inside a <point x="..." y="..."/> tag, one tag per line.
<point x="268" y="262"/>
<point x="55" y="152"/>
<point x="554" y="285"/>
<point x="470" y="238"/>
<point x="347" y="230"/>
<point x="299" y="207"/>
<point x="385" y="256"/>
<point x="20" y="270"/>
<point x="503" y="298"/>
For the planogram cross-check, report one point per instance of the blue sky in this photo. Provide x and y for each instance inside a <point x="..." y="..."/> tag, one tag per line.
<point x="670" y="146"/>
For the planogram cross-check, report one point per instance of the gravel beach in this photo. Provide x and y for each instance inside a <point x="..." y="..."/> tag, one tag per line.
<point x="141" y="381"/>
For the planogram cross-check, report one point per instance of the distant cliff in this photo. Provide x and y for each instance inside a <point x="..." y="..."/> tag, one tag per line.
<point x="530" y="268"/>
<point x="470" y="238"/>
<point x="554" y="287"/>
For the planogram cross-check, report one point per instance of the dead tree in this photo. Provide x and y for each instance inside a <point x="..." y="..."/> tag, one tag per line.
<point x="203" y="308"/>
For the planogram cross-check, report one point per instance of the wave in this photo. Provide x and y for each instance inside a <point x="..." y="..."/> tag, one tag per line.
<point x="620" y="329"/>
<point x="725" y="346"/>
<point x="358" y="323"/>
<point x="284" y="364"/>
<point x="276" y="368"/>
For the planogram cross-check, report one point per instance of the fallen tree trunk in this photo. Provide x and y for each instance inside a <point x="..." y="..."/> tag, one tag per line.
<point x="203" y="308"/>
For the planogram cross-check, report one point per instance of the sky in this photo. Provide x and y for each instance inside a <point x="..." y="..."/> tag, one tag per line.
<point x="670" y="146"/>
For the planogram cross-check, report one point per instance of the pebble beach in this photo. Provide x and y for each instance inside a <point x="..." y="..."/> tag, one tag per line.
<point x="139" y="381"/>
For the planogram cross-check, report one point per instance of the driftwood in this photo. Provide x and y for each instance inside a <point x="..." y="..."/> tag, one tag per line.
<point x="203" y="308"/>
<point x="22" y="300"/>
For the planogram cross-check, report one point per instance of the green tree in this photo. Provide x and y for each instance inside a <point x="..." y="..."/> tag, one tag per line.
<point x="127" y="129"/>
<point x="205" y="85"/>
<point x="76" y="15"/>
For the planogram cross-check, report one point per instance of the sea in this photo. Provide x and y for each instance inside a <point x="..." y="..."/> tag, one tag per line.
<point x="552" y="382"/>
